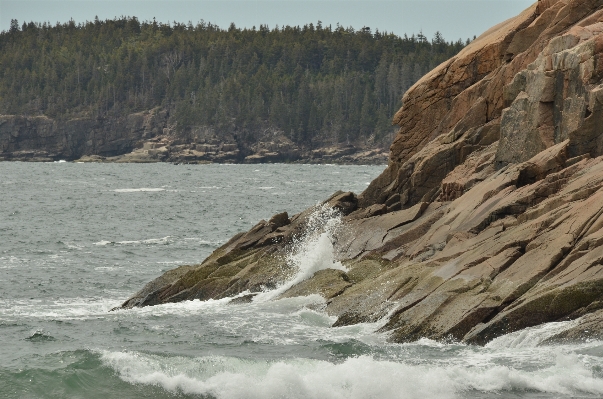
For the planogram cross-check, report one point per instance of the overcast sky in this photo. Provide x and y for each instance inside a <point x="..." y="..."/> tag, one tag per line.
<point x="454" y="18"/>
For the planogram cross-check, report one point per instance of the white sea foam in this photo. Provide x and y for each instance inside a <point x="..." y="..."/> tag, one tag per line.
<point x="289" y="321"/>
<point x="64" y="309"/>
<point x="135" y="190"/>
<point x="530" y="337"/>
<point x="9" y="262"/>
<point x="226" y="312"/>
<point x="184" y="308"/>
<point x="162" y="240"/>
<point x="72" y="245"/>
<point x="150" y="241"/>
<point x="108" y="268"/>
<point x="360" y="377"/>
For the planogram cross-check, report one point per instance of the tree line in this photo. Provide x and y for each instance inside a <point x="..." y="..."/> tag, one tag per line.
<point x="313" y="83"/>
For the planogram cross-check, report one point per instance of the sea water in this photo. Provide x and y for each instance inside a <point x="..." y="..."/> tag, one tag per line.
<point x="78" y="239"/>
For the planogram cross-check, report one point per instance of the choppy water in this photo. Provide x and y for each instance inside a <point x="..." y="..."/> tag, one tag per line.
<point x="78" y="239"/>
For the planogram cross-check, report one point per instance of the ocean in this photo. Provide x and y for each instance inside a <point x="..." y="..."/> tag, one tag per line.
<point x="77" y="240"/>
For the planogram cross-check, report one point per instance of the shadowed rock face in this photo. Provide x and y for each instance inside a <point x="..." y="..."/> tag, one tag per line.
<point x="44" y="139"/>
<point x="147" y="136"/>
<point x="489" y="217"/>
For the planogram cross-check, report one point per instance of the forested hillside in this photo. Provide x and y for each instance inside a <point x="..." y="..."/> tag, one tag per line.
<point x="313" y="83"/>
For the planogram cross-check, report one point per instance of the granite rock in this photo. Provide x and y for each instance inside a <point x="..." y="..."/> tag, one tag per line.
<point x="489" y="217"/>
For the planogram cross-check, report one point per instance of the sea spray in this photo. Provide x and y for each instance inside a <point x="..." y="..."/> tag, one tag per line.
<point x="312" y="251"/>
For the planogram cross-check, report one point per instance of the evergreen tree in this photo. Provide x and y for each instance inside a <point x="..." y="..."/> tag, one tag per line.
<point x="314" y="83"/>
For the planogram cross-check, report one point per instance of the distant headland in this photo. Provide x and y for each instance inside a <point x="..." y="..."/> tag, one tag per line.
<point x="128" y="91"/>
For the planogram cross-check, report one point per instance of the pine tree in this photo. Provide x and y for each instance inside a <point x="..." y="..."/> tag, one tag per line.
<point x="314" y="83"/>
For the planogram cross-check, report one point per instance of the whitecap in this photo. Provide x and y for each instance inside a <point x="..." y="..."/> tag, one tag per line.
<point x="72" y="245"/>
<point x="149" y="241"/>
<point x="135" y="190"/>
<point x="162" y="240"/>
<point x="108" y="268"/>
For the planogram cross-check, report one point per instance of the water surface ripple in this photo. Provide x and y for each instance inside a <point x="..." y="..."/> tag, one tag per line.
<point x="78" y="239"/>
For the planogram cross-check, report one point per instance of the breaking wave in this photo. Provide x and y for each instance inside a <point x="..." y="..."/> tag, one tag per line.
<point x="359" y="377"/>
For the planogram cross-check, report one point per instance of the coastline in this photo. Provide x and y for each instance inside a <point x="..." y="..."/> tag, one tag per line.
<point x="144" y="138"/>
<point x="488" y="218"/>
<point x="325" y="156"/>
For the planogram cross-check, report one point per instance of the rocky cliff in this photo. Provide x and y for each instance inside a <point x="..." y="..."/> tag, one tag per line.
<point x="489" y="216"/>
<point x="43" y="139"/>
<point x="149" y="137"/>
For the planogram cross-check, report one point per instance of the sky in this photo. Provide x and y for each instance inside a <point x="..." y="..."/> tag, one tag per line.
<point x="453" y="18"/>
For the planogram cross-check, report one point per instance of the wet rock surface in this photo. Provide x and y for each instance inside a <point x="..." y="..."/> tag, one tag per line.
<point x="489" y="216"/>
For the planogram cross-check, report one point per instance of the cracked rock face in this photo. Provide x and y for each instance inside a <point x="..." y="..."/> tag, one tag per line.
<point x="44" y="139"/>
<point x="489" y="217"/>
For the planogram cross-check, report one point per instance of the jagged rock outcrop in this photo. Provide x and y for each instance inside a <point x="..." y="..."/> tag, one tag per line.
<point x="526" y="81"/>
<point x="489" y="217"/>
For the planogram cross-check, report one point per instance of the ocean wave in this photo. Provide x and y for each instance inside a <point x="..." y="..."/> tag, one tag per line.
<point x="359" y="377"/>
<point x="162" y="240"/>
<point x="150" y="241"/>
<point x="108" y="268"/>
<point x="63" y="309"/>
<point x="136" y="190"/>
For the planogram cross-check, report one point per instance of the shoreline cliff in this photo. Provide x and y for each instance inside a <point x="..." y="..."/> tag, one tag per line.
<point x="488" y="218"/>
<point x="147" y="137"/>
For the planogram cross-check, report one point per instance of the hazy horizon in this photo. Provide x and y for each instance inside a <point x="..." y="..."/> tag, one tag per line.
<point x="453" y="18"/>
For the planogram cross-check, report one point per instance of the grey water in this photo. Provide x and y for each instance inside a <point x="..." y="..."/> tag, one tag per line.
<point x="78" y="239"/>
